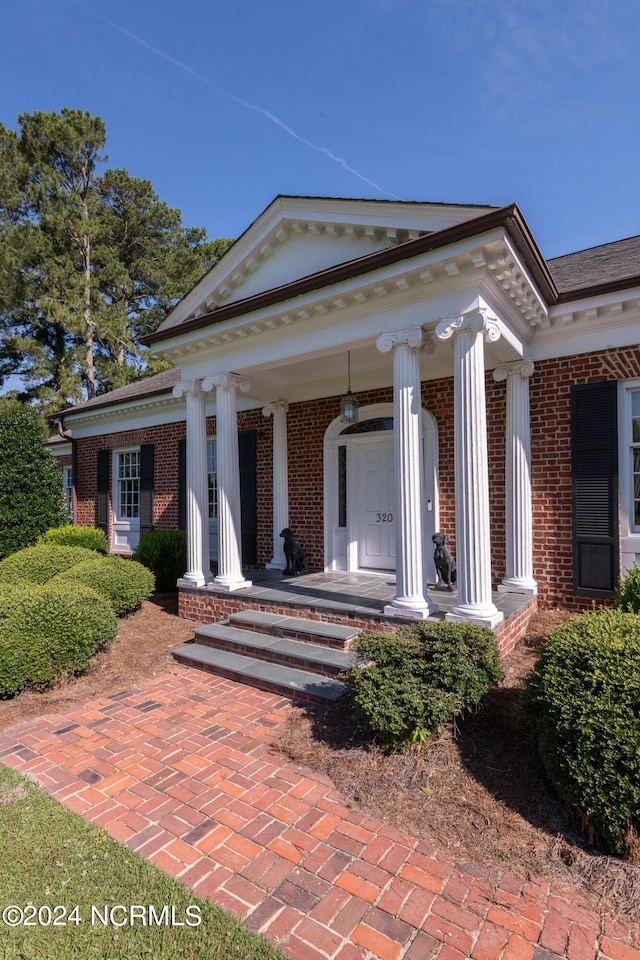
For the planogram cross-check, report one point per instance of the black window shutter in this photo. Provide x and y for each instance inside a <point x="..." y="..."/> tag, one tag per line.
<point x="146" y="488"/>
<point x="248" y="495"/>
<point x="594" y="461"/>
<point x="102" y="503"/>
<point x="182" y="484"/>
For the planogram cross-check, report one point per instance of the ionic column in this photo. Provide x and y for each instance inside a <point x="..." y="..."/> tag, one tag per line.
<point x="411" y="598"/>
<point x="198" y="572"/>
<point x="229" y="524"/>
<point x="519" y="514"/>
<point x="473" y="537"/>
<point x="278" y="411"/>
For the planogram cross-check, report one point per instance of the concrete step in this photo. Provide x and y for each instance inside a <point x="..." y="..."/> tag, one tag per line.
<point x="298" y="628"/>
<point x="273" y="677"/>
<point x="309" y="657"/>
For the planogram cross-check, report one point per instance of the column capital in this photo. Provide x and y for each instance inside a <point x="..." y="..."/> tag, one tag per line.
<point x="519" y="368"/>
<point x="184" y="387"/>
<point x="475" y="321"/>
<point x="409" y="336"/>
<point x="225" y="381"/>
<point x="276" y="406"/>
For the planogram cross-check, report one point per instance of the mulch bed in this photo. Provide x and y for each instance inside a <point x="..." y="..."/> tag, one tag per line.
<point x="479" y="790"/>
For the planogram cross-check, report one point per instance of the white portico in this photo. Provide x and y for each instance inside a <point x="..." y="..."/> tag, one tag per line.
<point x="415" y="293"/>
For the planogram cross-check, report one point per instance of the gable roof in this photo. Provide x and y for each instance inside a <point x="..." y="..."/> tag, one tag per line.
<point x="295" y="236"/>
<point x="601" y="269"/>
<point x="510" y="218"/>
<point x="150" y="386"/>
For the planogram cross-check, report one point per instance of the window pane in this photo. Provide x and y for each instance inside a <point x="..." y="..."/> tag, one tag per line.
<point x="67" y="483"/>
<point x="636" y="487"/>
<point x="368" y="426"/>
<point x="129" y="484"/>
<point x="635" y="414"/>
<point x="342" y="486"/>
<point x="212" y="474"/>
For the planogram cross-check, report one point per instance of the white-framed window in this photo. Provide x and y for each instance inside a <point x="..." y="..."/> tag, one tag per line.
<point x="212" y="478"/>
<point x="67" y="487"/>
<point x="629" y="472"/>
<point x="635" y="460"/>
<point x="128" y="484"/>
<point x="126" y="500"/>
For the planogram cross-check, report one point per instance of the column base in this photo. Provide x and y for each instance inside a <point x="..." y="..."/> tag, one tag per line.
<point x="484" y="616"/>
<point x="276" y="565"/>
<point x="513" y="585"/>
<point x="413" y="608"/>
<point x="190" y="580"/>
<point x="229" y="585"/>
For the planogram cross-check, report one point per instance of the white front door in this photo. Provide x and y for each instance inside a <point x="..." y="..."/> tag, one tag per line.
<point x="375" y="503"/>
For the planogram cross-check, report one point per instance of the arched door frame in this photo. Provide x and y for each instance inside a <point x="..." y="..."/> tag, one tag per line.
<point x="340" y="552"/>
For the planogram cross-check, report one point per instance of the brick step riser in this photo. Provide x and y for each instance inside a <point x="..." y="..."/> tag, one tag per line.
<point x="286" y="634"/>
<point x="239" y="677"/>
<point x="270" y="656"/>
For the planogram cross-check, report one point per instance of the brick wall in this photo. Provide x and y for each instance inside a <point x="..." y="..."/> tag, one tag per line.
<point x="550" y="393"/>
<point x="307" y="424"/>
<point x="165" y="500"/>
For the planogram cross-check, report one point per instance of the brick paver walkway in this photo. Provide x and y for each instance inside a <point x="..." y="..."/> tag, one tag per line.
<point x="180" y="769"/>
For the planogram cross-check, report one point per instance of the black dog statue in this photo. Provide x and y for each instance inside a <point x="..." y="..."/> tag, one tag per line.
<point x="445" y="564"/>
<point x="294" y="554"/>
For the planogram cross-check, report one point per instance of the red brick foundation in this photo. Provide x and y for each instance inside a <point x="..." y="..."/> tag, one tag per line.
<point x="205" y="607"/>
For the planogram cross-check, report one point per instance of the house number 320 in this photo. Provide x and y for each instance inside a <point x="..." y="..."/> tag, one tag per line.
<point x="384" y="517"/>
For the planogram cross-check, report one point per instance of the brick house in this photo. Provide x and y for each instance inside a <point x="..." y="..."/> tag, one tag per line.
<point x="497" y="399"/>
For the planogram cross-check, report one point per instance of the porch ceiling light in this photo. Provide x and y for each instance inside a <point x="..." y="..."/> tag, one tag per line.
<point x="348" y="403"/>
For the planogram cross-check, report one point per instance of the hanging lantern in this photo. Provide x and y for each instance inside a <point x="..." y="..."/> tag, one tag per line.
<point x="348" y="403"/>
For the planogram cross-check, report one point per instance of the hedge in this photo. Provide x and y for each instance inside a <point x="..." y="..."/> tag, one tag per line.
<point x="91" y="538"/>
<point x="585" y="696"/>
<point x="628" y="591"/>
<point x="124" y="583"/>
<point x="50" y="630"/>
<point x="164" y="552"/>
<point x="41" y="563"/>
<point x="412" y="683"/>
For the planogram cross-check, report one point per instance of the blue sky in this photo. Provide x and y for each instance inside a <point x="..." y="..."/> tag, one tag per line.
<point x="223" y="105"/>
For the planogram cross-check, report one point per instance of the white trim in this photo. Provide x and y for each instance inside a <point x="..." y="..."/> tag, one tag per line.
<point x="67" y="487"/>
<point x="340" y="544"/>
<point x="125" y="531"/>
<point x="629" y="537"/>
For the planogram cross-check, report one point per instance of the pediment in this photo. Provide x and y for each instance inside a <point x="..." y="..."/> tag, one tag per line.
<point x="299" y="236"/>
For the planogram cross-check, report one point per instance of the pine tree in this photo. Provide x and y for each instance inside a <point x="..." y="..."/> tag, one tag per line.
<point x="90" y="259"/>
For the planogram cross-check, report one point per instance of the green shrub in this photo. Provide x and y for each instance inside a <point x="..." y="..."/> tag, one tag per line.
<point x="50" y="630"/>
<point x="628" y="592"/>
<point x="31" y="497"/>
<point x="413" y="683"/>
<point x="164" y="552"/>
<point x="41" y="563"/>
<point x="585" y="695"/>
<point x="12" y="593"/>
<point x="91" y="538"/>
<point x="124" y="583"/>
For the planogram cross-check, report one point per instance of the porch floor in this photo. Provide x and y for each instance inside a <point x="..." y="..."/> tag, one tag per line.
<point x="351" y="594"/>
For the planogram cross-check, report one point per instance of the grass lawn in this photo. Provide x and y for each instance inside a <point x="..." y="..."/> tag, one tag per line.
<point x="51" y="858"/>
